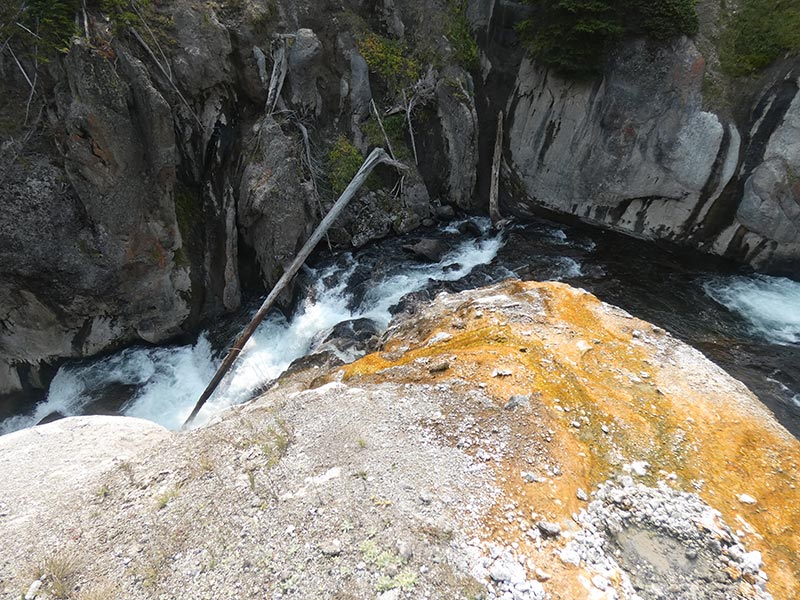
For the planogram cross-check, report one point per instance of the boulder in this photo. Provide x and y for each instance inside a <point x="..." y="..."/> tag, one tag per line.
<point x="459" y="122"/>
<point x="275" y="211"/>
<point x="428" y="250"/>
<point x="305" y="59"/>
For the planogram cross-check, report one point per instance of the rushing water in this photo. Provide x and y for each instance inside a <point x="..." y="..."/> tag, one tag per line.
<point x="771" y="305"/>
<point x="166" y="382"/>
<point x="750" y="325"/>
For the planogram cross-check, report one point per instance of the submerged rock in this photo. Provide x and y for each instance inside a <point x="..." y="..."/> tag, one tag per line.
<point x="428" y="250"/>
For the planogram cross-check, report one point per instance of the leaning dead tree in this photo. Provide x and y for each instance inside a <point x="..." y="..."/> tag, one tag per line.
<point x="280" y="66"/>
<point x="494" y="192"/>
<point x="377" y="157"/>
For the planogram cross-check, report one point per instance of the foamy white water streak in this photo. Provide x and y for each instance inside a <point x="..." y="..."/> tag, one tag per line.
<point x="770" y="305"/>
<point x="171" y="379"/>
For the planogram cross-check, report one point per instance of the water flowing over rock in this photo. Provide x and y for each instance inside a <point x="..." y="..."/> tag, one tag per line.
<point x="162" y="184"/>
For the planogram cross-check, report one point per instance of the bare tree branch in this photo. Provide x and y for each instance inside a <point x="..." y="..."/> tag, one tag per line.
<point x="21" y="26"/>
<point x="383" y="131"/>
<point x="280" y="66"/>
<point x="21" y="68"/>
<point x="494" y="192"/>
<point x="310" y="163"/>
<point x="35" y="81"/>
<point x="85" y="20"/>
<point x="153" y="37"/>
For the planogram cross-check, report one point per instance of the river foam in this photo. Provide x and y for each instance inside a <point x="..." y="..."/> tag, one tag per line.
<point x="168" y="380"/>
<point x="770" y="305"/>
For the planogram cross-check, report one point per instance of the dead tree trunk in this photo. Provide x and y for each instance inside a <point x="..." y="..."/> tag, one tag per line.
<point x="280" y="66"/>
<point x="166" y="74"/>
<point x="383" y="131"/>
<point x="377" y="157"/>
<point x="409" y="109"/>
<point x="494" y="193"/>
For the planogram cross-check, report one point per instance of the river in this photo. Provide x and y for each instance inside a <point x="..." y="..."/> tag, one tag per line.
<point x="749" y="324"/>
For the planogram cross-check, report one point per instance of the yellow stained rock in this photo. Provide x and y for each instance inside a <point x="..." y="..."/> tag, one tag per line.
<point x="606" y="390"/>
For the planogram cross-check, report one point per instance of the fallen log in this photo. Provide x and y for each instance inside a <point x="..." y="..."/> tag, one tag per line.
<point x="376" y="157"/>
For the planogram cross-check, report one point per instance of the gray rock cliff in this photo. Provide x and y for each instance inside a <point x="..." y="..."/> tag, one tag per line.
<point x="636" y="150"/>
<point x="154" y="185"/>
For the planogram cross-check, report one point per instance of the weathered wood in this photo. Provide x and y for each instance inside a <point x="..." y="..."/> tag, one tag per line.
<point x="494" y="192"/>
<point x="409" y="109"/>
<point x="383" y="131"/>
<point x="21" y="68"/>
<point x="312" y="173"/>
<point x="153" y="37"/>
<point x="280" y="66"/>
<point x="85" y="20"/>
<point x="375" y="158"/>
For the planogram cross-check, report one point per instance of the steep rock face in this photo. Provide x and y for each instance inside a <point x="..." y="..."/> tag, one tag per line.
<point x="275" y="203"/>
<point x="765" y="229"/>
<point x="129" y="229"/>
<point x="134" y="231"/>
<point x="459" y="121"/>
<point x="103" y="267"/>
<point x="635" y="151"/>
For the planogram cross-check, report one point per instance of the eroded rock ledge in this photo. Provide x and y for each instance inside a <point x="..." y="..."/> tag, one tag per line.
<point x="519" y="441"/>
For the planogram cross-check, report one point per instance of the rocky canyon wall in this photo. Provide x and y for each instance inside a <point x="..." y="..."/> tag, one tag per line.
<point x="153" y="177"/>
<point x="157" y="181"/>
<point x="641" y="149"/>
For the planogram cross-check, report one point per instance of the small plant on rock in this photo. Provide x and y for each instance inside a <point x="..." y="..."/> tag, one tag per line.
<point x="389" y="59"/>
<point x="757" y="34"/>
<point x="460" y="35"/>
<point x="344" y="161"/>
<point x="60" y="571"/>
<point x="164" y="498"/>
<point x="406" y="580"/>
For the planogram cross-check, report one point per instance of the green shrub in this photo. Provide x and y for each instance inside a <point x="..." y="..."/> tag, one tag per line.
<point x="758" y="34"/>
<point x="395" y="127"/>
<point x="460" y="34"/>
<point x="52" y="22"/>
<point x="572" y="36"/>
<point x="120" y="11"/>
<point x="389" y="60"/>
<point x="126" y="13"/>
<point x="344" y="161"/>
